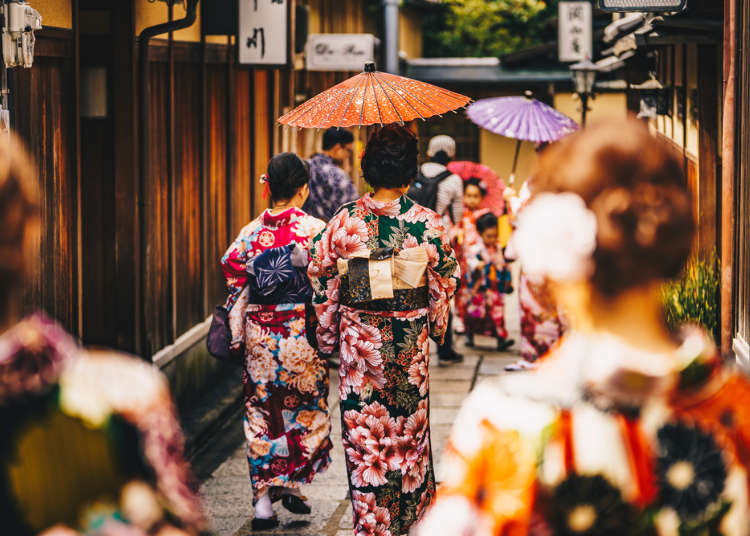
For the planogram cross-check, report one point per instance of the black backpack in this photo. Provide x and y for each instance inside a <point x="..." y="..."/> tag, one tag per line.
<point x="424" y="190"/>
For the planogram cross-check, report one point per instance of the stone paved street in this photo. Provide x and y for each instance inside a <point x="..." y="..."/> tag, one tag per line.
<point x="227" y="490"/>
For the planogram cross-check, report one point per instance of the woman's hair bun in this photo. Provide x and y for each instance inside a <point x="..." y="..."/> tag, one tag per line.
<point x="633" y="182"/>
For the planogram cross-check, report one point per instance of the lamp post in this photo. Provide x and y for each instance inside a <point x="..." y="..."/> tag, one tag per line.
<point x="584" y="77"/>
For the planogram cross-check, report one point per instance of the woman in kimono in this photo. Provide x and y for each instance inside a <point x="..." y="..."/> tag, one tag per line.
<point x="383" y="273"/>
<point x="625" y="428"/>
<point x="486" y="279"/>
<point x="90" y="442"/>
<point x="464" y="236"/>
<point x="286" y="420"/>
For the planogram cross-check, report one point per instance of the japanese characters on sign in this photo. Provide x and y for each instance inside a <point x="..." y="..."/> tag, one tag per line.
<point x="574" y="31"/>
<point x="339" y="52"/>
<point x="263" y="32"/>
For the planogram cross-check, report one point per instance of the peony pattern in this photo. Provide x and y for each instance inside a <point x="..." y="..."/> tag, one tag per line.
<point x="286" y="422"/>
<point x="384" y="358"/>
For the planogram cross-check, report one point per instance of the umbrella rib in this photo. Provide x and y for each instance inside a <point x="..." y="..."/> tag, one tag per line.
<point x="404" y="99"/>
<point x="387" y="96"/>
<point x="336" y="107"/>
<point x="304" y="112"/>
<point x="364" y="100"/>
<point x="420" y="101"/>
<point x="300" y="111"/>
<point x="356" y="89"/>
<point x="377" y="104"/>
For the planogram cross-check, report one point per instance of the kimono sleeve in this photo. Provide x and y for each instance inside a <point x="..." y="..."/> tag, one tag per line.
<point x="443" y="276"/>
<point x="234" y="265"/>
<point x="325" y="283"/>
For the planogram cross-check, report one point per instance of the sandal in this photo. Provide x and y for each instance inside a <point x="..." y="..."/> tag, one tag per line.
<point x="295" y="504"/>
<point x="264" y="523"/>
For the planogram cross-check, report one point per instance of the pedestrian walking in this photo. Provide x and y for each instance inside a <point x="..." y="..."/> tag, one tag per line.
<point x="384" y="273"/>
<point x="330" y="185"/>
<point x="486" y="280"/>
<point x="90" y="441"/>
<point x="448" y="202"/>
<point x="625" y="427"/>
<point x="286" y="420"/>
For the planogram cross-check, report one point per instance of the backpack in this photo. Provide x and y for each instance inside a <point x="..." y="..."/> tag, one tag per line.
<point x="424" y="190"/>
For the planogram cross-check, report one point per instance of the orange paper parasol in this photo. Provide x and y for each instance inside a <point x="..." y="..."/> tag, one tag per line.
<point x="372" y="98"/>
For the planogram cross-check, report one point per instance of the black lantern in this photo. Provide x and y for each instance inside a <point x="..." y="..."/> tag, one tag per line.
<point x="584" y="78"/>
<point x="660" y="6"/>
<point x="655" y="98"/>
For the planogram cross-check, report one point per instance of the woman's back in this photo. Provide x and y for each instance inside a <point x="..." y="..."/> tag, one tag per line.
<point x="603" y="438"/>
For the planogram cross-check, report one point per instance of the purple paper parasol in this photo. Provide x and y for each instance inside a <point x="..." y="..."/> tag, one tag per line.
<point x="521" y="118"/>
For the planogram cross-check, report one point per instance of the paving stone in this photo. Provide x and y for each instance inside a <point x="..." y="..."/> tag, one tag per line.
<point x="446" y="400"/>
<point x="440" y="416"/>
<point x="448" y="386"/>
<point x="227" y="492"/>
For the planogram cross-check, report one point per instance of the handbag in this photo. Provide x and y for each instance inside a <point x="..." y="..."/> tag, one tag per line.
<point x="220" y="336"/>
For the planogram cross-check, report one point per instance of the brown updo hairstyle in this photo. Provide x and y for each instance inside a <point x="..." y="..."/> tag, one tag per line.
<point x="633" y="182"/>
<point x="19" y="213"/>
<point x="391" y="157"/>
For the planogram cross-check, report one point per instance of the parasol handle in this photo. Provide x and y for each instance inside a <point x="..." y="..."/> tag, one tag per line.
<point x="515" y="161"/>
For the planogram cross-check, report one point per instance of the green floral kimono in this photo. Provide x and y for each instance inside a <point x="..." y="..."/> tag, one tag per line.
<point x="384" y="350"/>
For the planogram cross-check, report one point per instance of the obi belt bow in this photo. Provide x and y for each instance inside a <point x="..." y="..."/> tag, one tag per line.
<point x="279" y="275"/>
<point x="376" y="275"/>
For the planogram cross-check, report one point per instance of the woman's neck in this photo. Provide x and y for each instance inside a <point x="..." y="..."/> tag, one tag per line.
<point x="635" y="316"/>
<point x="388" y="194"/>
<point x="281" y="206"/>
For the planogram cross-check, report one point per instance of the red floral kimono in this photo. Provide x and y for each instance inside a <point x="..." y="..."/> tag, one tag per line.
<point x="464" y="237"/>
<point x="287" y="424"/>
<point x="384" y="347"/>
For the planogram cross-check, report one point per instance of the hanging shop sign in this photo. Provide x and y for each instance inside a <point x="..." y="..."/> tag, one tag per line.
<point x="575" y="37"/>
<point x="339" y="52"/>
<point x="662" y="6"/>
<point x="263" y="32"/>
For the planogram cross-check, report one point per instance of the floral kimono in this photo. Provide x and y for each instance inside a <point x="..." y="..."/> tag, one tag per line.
<point x="383" y="275"/>
<point x="484" y="284"/>
<point x="602" y="439"/>
<point x="541" y="324"/>
<point x="90" y="441"/>
<point x="464" y="237"/>
<point x="286" y="420"/>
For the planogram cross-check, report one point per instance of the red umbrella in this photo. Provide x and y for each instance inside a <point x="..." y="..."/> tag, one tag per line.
<point x="495" y="186"/>
<point x="372" y="98"/>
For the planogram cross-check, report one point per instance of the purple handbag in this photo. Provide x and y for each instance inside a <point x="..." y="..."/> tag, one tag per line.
<point x="220" y="336"/>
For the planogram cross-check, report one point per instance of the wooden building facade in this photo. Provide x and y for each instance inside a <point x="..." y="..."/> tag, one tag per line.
<point x="129" y="257"/>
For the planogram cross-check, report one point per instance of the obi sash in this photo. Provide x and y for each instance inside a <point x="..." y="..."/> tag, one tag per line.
<point x="381" y="281"/>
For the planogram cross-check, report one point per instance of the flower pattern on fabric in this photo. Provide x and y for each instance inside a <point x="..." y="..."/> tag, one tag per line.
<point x="541" y="324"/>
<point x="384" y="360"/>
<point x="103" y="393"/>
<point x="533" y="453"/>
<point x="286" y="422"/>
<point x="484" y="304"/>
<point x="330" y="188"/>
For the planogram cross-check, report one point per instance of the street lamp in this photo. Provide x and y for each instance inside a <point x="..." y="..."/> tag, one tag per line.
<point x="584" y="77"/>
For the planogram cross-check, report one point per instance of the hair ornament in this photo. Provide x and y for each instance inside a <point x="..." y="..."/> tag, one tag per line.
<point x="264" y="178"/>
<point x="555" y="238"/>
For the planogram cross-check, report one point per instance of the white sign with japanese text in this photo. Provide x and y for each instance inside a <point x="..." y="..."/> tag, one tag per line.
<point x="575" y="40"/>
<point x="339" y="52"/>
<point x="263" y="32"/>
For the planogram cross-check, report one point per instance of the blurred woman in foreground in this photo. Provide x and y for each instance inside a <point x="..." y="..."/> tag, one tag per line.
<point x="625" y="428"/>
<point x="90" y="443"/>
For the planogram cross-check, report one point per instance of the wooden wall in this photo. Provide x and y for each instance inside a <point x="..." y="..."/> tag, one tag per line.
<point x="42" y="114"/>
<point x="211" y="133"/>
